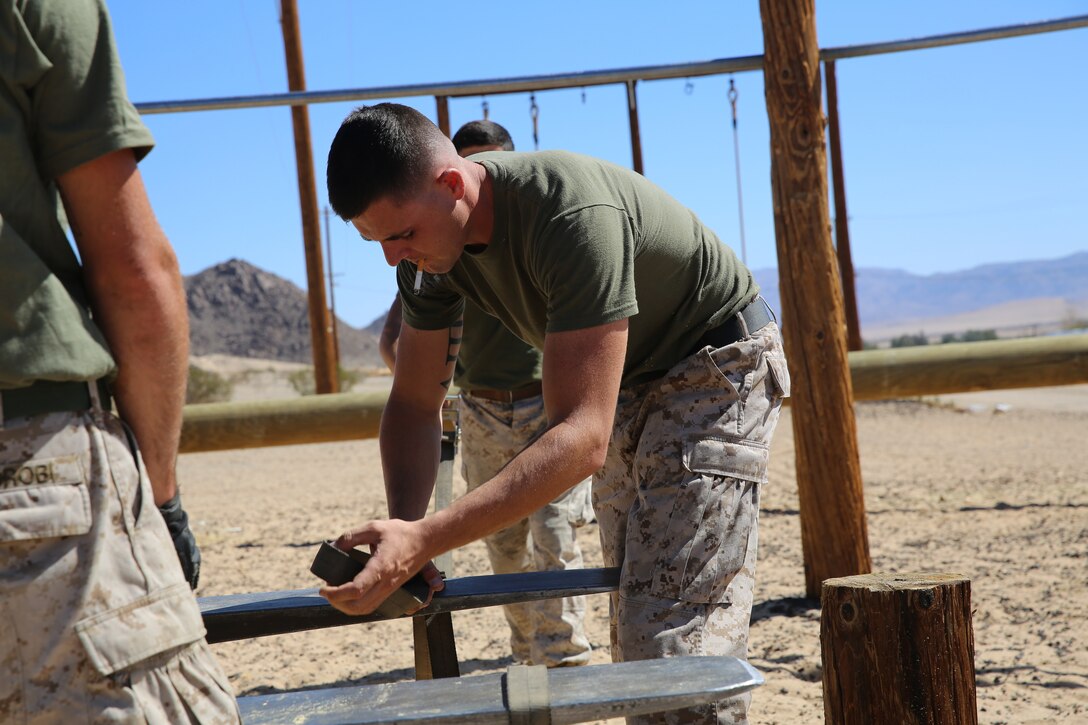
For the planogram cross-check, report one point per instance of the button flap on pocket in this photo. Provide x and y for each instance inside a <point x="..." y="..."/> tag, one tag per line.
<point x="730" y="458"/>
<point x="780" y="371"/>
<point x="152" y="624"/>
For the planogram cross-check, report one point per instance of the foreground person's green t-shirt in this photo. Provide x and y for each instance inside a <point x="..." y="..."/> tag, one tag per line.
<point x="578" y="242"/>
<point x="62" y="103"/>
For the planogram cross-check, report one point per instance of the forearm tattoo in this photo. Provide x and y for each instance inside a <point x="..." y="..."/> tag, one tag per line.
<point x="456" y="330"/>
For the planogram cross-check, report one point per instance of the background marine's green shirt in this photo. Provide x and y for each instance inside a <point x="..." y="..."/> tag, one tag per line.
<point x="579" y="242"/>
<point x="492" y="356"/>
<point x="53" y="117"/>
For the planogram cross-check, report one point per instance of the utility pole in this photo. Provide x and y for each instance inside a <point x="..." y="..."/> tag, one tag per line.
<point x="332" y="292"/>
<point x="321" y="326"/>
<point x="834" y="537"/>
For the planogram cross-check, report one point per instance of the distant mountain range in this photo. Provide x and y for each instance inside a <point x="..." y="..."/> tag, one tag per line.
<point x="238" y="309"/>
<point x="888" y="296"/>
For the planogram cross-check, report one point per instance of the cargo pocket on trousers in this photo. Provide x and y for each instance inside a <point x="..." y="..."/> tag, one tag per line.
<point x="712" y="518"/>
<point x="155" y="623"/>
<point x="43" y="498"/>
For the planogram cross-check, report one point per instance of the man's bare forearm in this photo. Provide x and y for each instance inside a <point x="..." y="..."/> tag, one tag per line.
<point x="410" y="442"/>
<point x="138" y="302"/>
<point x="145" y="320"/>
<point x="564" y="455"/>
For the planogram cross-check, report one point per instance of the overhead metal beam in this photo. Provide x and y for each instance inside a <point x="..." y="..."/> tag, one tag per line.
<point x="524" y="84"/>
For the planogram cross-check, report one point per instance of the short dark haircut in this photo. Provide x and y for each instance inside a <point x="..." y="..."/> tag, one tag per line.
<point x="379" y="151"/>
<point x="482" y="133"/>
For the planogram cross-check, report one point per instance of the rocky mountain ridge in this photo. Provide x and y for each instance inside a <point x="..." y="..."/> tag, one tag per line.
<point x="236" y="308"/>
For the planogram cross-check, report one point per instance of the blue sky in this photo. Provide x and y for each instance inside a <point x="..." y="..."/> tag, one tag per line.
<point x="954" y="157"/>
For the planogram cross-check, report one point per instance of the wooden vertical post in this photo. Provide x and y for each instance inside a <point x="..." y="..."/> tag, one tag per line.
<point x="898" y="649"/>
<point x="842" y="223"/>
<point x="443" y="105"/>
<point x="636" y="136"/>
<point x="833" y="531"/>
<point x="325" y="373"/>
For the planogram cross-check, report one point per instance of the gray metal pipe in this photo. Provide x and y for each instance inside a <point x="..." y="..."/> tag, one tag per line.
<point x="524" y="84"/>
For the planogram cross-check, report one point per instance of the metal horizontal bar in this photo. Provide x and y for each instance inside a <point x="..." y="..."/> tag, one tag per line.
<point x="524" y="84"/>
<point x="242" y="616"/>
<point x="495" y="86"/>
<point x="939" y="41"/>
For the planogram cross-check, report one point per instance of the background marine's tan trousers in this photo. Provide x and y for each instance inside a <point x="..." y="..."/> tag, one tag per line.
<point x="551" y="631"/>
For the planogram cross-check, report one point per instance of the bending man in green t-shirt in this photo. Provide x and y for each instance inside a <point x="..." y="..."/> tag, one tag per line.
<point x="502" y="411"/>
<point x="663" y="374"/>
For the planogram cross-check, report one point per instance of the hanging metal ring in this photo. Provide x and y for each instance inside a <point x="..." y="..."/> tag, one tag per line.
<point x="689" y="87"/>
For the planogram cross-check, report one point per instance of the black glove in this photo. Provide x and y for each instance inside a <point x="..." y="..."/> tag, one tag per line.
<point x="177" y="522"/>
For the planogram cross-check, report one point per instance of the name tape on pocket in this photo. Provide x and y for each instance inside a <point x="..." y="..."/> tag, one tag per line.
<point x="44" y="472"/>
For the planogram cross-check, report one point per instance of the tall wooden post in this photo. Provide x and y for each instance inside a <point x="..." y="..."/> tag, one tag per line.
<point x="842" y="223"/>
<point x="898" y="649"/>
<point x="321" y="332"/>
<point x="833" y="532"/>
<point x="636" y="135"/>
<point x="442" y="103"/>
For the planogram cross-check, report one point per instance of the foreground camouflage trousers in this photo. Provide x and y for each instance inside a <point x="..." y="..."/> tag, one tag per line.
<point x="96" y="622"/>
<point x="678" y="503"/>
<point x="548" y="632"/>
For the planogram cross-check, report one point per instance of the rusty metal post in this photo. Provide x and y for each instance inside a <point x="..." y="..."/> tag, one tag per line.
<point x="636" y="138"/>
<point x="325" y="373"/>
<point x="842" y="224"/>
<point x="834" y="537"/>
<point x="443" y="104"/>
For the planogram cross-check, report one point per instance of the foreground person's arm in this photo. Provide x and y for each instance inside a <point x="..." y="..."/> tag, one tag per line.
<point x="582" y="371"/>
<point x="135" y="289"/>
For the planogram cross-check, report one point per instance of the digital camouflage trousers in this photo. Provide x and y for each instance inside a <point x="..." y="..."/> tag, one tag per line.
<point x="678" y="505"/>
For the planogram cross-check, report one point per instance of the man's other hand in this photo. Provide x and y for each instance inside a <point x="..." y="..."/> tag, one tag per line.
<point x="177" y="522"/>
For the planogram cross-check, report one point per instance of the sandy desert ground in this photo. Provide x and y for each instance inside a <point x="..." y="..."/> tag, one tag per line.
<point x="990" y="485"/>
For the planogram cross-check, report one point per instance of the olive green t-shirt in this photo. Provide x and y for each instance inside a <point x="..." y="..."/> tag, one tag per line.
<point x="493" y="357"/>
<point x="578" y="242"/>
<point x="62" y="104"/>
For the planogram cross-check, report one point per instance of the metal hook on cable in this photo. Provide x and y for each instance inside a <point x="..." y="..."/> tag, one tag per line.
<point x="534" y="113"/>
<point x="486" y="108"/>
<point x="689" y="87"/>
<point x="583" y="95"/>
<point x="733" y="101"/>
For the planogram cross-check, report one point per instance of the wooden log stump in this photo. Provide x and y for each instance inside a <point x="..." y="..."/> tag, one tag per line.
<point x="898" y="649"/>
